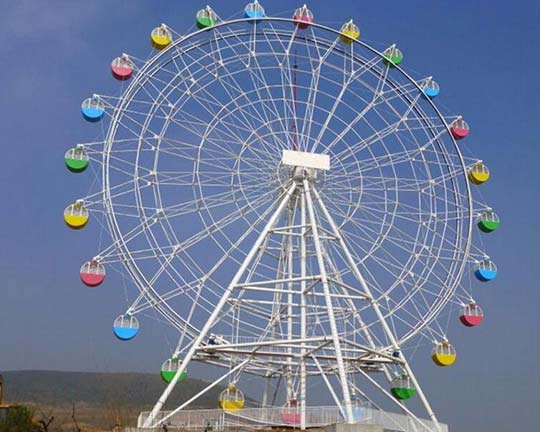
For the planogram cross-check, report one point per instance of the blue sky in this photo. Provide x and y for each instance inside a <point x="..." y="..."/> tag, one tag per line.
<point x="56" y="53"/>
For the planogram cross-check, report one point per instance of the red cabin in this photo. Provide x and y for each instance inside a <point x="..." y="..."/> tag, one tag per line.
<point x="471" y="315"/>
<point x="303" y="17"/>
<point x="290" y="413"/>
<point x="122" y="68"/>
<point x="92" y="273"/>
<point x="459" y="128"/>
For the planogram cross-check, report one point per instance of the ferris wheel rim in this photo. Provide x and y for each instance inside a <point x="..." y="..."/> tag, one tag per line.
<point x="141" y="75"/>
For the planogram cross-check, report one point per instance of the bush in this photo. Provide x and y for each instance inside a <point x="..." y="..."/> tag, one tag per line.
<point x="17" y="419"/>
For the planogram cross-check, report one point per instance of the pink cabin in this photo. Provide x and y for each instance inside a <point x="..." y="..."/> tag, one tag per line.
<point x="122" y="68"/>
<point x="459" y="129"/>
<point x="303" y="17"/>
<point x="92" y="273"/>
<point x="290" y="413"/>
<point x="471" y="315"/>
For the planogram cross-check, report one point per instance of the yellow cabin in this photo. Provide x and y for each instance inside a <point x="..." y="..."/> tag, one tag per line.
<point x="479" y="173"/>
<point x="76" y="215"/>
<point x="161" y="37"/>
<point x="231" y="399"/>
<point x="349" y="32"/>
<point x="443" y="354"/>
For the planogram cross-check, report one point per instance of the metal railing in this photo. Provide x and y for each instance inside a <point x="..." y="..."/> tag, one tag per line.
<point x="219" y="420"/>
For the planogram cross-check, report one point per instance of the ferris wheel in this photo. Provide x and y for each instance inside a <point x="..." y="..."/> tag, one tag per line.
<point x="292" y="202"/>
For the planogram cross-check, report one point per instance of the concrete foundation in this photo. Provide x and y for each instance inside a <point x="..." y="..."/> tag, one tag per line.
<point x="342" y="427"/>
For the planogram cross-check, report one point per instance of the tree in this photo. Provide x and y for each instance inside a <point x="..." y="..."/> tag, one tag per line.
<point x="45" y="420"/>
<point x="78" y="429"/>
<point x="18" y="419"/>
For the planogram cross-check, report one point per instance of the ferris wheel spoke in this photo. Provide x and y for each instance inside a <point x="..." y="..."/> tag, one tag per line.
<point x="137" y="106"/>
<point x="147" y="223"/>
<point x="186" y="178"/>
<point x="399" y="91"/>
<point x="256" y="79"/>
<point x="227" y="220"/>
<point x="139" y="306"/>
<point x="195" y="125"/>
<point x="250" y="133"/>
<point x="248" y="117"/>
<point x="209" y="201"/>
<point x="378" y="136"/>
<point x="382" y="183"/>
<point x="160" y="101"/>
<point x="353" y="76"/>
<point x="384" y="261"/>
<point x="287" y="81"/>
<point x="259" y="81"/>
<point x="374" y="234"/>
<point x="404" y="238"/>
<point x="394" y="129"/>
<point x="94" y="147"/>
<point x="219" y="155"/>
<point x="411" y="314"/>
<point x="121" y="189"/>
<point x="136" y="136"/>
<point x="159" y="104"/>
<point x="313" y="92"/>
<point x="213" y="108"/>
<point x="377" y="94"/>
<point x="387" y="160"/>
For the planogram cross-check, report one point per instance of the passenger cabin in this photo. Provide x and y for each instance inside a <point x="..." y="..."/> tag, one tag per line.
<point x="76" y="159"/>
<point x="206" y="18"/>
<point x="231" y="399"/>
<point x="92" y="273"/>
<point x="169" y="369"/>
<point x="76" y="215"/>
<point x="471" y="315"/>
<point x="254" y="11"/>
<point x="125" y="327"/>
<point x="161" y="37"/>
<point x="485" y="270"/>
<point x="443" y="354"/>
<point x="349" y="32"/>
<point x="122" y="68"/>
<point x="479" y="173"/>
<point x="303" y="17"/>
<point x="402" y="387"/>
<point x="392" y="56"/>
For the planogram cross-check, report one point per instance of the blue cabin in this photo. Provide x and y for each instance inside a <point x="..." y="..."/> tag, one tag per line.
<point x="485" y="270"/>
<point x="254" y="10"/>
<point x="125" y="327"/>
<point x="430" y="88"/>
<point x="93" y="109"/>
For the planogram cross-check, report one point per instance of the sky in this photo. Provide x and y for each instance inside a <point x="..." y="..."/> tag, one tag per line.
<point x="56" y="53"/>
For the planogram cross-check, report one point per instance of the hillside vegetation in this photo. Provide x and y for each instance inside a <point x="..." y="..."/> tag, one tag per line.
<point x="112" y="390"/>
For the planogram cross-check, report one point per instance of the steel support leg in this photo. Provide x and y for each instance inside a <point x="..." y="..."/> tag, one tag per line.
<point x="329" y="305"/>
<point x="374" y="303"/>
<point x="215" y="314"/>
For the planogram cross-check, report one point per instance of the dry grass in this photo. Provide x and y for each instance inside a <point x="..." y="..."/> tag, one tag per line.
<point x="89" y="418"/>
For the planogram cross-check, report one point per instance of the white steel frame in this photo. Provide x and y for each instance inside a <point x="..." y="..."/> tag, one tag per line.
<point x="324" y="313"/>
<point x="303" y="191"/>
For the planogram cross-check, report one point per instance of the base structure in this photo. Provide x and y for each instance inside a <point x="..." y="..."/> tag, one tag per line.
<point x="302" y="300"/>
<point x="367" y="419"/>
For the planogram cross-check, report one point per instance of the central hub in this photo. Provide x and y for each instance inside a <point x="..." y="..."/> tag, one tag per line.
<point x="303" y="165"/>
<point x="312" y="161"/>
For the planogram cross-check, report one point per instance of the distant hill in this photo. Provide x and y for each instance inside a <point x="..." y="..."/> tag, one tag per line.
<point x="113" y="390"/>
